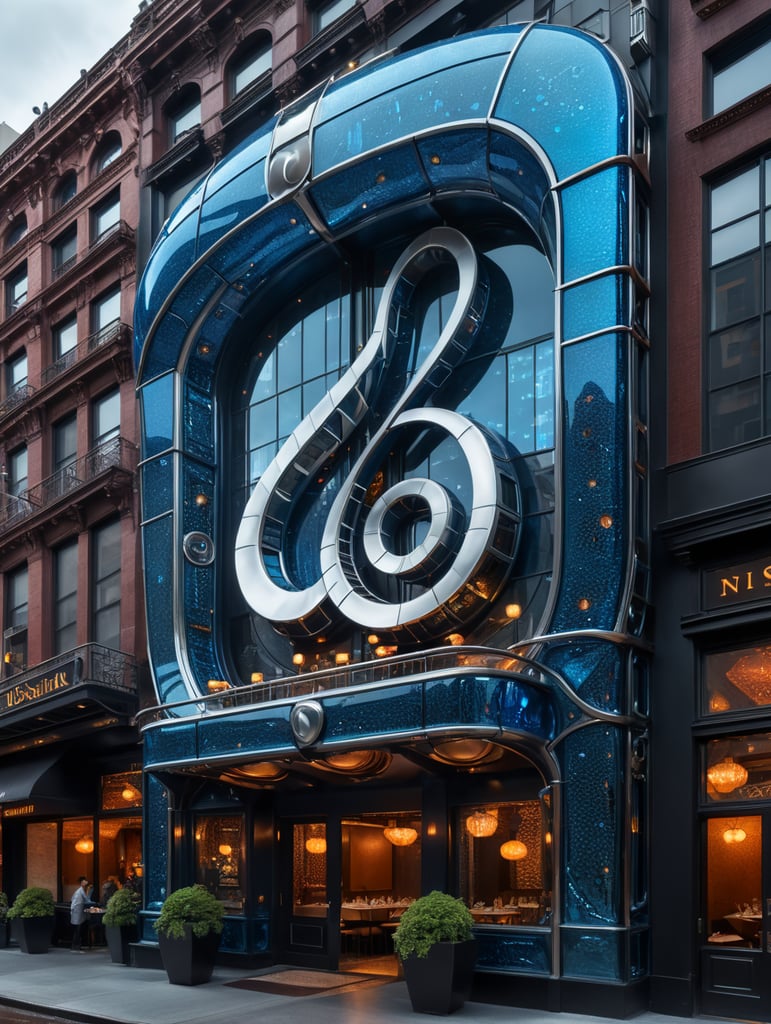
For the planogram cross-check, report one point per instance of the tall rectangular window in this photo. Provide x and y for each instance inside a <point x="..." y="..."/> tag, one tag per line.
<point x="739" y="344"/>
<point x="16" y="372"/>
<point x="16" y="289"/>
<point x="105" y="215"/>
<point x="327" y="13"/>
<point x="105" y="314"/>
<point x="65" y="611"/>
<point x="105" y="598"/>
<point x="17" y="471"/>
<point x="65" y="453"/>
<point x="106" y="418"/>
<point x="16" y="616"/>
<point x="64" y="251"/>
<point x="65" y="336"/>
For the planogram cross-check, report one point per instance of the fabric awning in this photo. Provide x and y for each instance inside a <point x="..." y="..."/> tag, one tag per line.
<point x="25" y="778"/>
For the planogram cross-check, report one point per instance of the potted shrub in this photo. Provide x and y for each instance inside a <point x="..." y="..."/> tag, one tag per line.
<point x="437" y="949"/>
<point x="120" y="923"/>
<point x="33" y="912"/>
<point x="189" y="929"/>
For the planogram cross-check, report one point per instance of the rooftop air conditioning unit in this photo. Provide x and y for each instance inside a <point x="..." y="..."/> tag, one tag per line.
<point x="640" y="31"/>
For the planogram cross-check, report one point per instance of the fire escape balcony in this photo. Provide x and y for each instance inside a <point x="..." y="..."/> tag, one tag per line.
<point x="109" y="466"/>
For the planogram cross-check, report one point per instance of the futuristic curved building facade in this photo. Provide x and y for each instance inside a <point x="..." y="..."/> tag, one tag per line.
<point x="392" y="370"/>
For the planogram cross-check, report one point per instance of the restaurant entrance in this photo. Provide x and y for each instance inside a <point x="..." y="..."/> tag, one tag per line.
<point x="736" y="926"/>
<point x="345" y="882"/>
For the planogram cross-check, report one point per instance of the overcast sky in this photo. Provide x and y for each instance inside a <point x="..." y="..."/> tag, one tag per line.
<point x="45" y="43"/>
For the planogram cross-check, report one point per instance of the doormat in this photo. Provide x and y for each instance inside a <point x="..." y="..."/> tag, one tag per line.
<point x="298" y="983"/>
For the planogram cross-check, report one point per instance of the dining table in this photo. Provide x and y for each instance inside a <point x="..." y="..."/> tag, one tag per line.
<point x="747" y="923"/>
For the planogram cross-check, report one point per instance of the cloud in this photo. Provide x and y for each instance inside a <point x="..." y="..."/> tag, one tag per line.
<point x="45" y="43"/>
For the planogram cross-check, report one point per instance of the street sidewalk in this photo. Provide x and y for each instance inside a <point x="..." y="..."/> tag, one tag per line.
<point x="91" y="988"/>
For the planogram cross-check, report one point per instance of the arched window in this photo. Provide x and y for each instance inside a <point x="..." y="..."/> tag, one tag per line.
<point x="17" y="231"/>
<point x="183" y="112"/>
<point x="66" y="189"/>
<point x="108" y="150"/>
<point x="251" y="62"/>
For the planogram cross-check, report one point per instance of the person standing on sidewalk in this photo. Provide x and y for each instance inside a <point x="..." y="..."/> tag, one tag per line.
<point x="78" y="916"/>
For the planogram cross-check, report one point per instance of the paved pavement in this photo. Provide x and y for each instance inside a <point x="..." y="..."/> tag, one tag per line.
<point x="91" y="988"/>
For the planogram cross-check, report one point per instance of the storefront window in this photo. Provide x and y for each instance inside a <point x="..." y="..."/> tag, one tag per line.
<point x="738" y="768"/>
<point x="120" y="856"/>
<point x="309" y="877"/>
<point x="219" y="858"/>
<point x="503" y="863"/>
<point x="77" y="854"/>
<point x="737" y="679"/>
<point x="733" y="911"/>
<point x="42" y="859"/>
<point x="121" y="791"/>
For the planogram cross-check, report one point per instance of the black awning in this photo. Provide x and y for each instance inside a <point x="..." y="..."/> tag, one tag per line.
<point x="28" y="777"/>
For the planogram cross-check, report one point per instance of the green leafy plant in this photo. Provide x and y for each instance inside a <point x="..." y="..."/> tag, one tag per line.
<point x="193" y="905"/>
<point x="33" y="902"/>
<point x="437" y="917"/>
<point x="3" y="907"/>
<point x="122" y="909"/>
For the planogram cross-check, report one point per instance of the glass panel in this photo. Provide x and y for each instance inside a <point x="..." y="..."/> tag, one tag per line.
<point x="120" y="856"/>
<point x="309" y="870"/>
<point x="331" y="12"/>
<point x="42" y="856"/>
<point x="742" y="78"/>
<point x="121" y="791"/>
<point x="77" y="854"/>
<point x="17" y="471"/>
<point x="106" y="310"/>
<point x="17" y="371"/>
<point x="65" y="337"/>
<point x="107" y="417"/>
<point x="738" y="679"/>
<point x="734" y="354"/>
<point x="502" y="862"/>
<point x="736" y="292"/>
<point x="106" y="586"/>
<point x="738" y="768"/>
<point x="219" y="858"/>
<point x="735" y="198"/>
<point x="734" y="415"/>
<point x="735" y="239"/>
<point x="106" y="216"/>
<point x="733" y="913"/>
<point x="251" y="67"/>
<point x="66" y="598"/>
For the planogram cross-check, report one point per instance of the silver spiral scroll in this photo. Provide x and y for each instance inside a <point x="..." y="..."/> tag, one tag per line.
<point x="465" y="555"/>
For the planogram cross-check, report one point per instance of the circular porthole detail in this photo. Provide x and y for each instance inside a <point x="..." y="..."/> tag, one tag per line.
<point x="198" y="548"/>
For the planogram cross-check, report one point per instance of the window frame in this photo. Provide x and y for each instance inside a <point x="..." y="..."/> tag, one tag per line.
<point x="733" y="56"/>
<point x="183" y="113"/>
<point x="109" y="581"/>
<point x="110" y="204"/>
<point x="64" y="250"/>
<point x="64" y="601"/>
<point x="257" y="48"/>
<point x="14" y="296"/>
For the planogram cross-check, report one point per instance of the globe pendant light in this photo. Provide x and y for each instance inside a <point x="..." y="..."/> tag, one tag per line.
<point x="726" y="775"/>
<point x="513" y="850"/>
<point x="400" y="835"/>
<point x="482" y="823"/>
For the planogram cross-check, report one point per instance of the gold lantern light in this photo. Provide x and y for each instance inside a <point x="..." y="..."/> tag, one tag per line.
<point x="482" y="823"/>
<point x="513" y="850"/>
<point x="725" y="776"/>
<point x="400" y="835"/>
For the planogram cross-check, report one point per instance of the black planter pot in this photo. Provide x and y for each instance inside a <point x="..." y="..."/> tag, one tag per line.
<point x="34" y="933"/>
<point x="119" y="937"/>
<point x="189" y="961"/>
<point x="440" y="983"/>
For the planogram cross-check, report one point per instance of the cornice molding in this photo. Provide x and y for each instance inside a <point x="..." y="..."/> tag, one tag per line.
<point x="740" y="110"/>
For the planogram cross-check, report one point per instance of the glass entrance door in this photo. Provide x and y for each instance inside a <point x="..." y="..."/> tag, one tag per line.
<point x="736" y="943"/>
<point x="303" y="927"/>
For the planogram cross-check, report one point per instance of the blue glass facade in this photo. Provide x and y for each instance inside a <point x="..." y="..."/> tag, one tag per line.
<point x="499" y="164"/>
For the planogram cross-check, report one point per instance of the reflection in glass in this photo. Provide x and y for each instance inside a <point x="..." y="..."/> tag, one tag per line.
<point x="218" y="854"/>
<point x="309" y="874"/>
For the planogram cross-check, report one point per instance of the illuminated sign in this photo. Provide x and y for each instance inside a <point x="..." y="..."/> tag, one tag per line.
<point x="17" y="812"/>
<point x="35" y="688"/>
<point x="749" y="581"/>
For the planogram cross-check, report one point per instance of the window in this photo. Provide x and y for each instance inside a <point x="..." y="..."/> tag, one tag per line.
<point x="105" y="315"/>
<point x="65" y="452"/>
<point x="65" y="337"/>
<point x="65" y="611"/>
<point x="16" y="613"/>
<point x="327" y="13"/>
<point x="739" y="344"/>
<point x="16" y="232"/>
<point x="66" y="189"/>
<point x="105" y="216"/>
<point x="17" y="471"/>
<point x="64" y="250"/>
<point x="739" y="72"/>
<point x="184" y="113"/>
<point x="105" y="596"/>
<point x="16" y="289"/>
<point x="106" y="418"/>
<point x="16" y="372"/>
<point x="250" y="64"/>
<point x="108" y="152"/>
<point x="219" y="857"/>
<point x="737" y="680"/>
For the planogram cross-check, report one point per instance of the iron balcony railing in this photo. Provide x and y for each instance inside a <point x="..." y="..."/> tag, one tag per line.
<point x="16" y="398"/>
<point x="113" y="331"/>
<point x="80" y="666"/>
<point x="117" y="453"/>
<point x="437" y="662"/>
